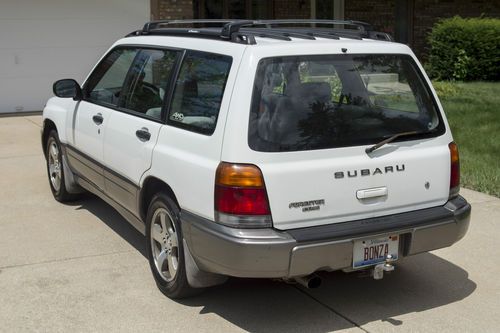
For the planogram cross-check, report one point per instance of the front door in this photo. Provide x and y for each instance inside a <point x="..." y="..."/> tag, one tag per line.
<point x="134" y="125"/>
<point x="101" y="93"/>
<point x="86" y="156"/>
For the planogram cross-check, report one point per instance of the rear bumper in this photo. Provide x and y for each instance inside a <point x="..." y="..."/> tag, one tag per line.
<point x="270" y="253"/>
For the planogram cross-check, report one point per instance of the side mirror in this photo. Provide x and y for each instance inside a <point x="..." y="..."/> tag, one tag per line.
<point x="67" y="88"/>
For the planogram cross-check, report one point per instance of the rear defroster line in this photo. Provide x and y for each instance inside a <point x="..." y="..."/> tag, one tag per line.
<point x="302" y="290"/>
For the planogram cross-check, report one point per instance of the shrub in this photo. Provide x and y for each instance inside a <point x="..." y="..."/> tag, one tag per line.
<point x="465" y="49"/>
<point x="446" y="89"/>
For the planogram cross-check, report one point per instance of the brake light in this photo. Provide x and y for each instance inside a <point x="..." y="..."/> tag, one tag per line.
<point x="455" y="170"/>
<point x="241" y="197"/>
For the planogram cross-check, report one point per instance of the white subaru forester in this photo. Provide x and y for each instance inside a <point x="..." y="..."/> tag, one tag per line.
<point x="266" y="149"/>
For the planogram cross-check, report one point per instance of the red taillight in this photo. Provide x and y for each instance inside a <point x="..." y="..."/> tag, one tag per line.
<point x="455" y="169"/>
<point x="241" y="197"/>
<point x="241" y="201"/>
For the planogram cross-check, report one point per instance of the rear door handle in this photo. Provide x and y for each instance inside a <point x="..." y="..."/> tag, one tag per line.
<point x="143" y="134"/>
<point x="372" y="193"/>
<point x="98" y="119"/>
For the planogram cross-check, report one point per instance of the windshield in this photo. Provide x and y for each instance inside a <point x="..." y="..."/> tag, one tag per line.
<point x="329" y="101"/>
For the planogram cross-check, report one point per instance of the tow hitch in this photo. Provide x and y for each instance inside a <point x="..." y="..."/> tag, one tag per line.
<point x="386" y="266"/>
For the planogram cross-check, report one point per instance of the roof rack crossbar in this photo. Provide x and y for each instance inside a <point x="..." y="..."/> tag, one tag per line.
<point x="361" y="26"/>
<point x="270" y="35"/>
<point x="156" y="24"/>
<point x="186" y="31"/>
<point x="229" y="28"/>
<point x="237" y="37"/>
<point x="284" y="32"/>
<point x="312" y="32"/>
<point x="346" y="34"/>
<point x="323" y="35"/>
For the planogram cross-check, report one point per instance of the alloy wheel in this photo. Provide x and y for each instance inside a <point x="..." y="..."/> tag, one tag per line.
<point x="55" y="165"/>
<point x="164" y="244"/>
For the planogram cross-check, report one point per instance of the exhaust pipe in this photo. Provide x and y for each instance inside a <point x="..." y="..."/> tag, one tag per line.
<point x="310" y="281"/>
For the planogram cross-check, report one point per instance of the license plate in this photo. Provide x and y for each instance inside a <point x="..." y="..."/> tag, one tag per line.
<point x="369" y="252"/>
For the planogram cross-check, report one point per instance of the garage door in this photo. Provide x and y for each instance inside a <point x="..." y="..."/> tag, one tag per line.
<point x="45" y="40"/>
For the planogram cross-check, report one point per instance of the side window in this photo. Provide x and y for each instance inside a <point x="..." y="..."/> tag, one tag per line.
<point x="198" y="91"/>
<point x="105" y="83"/>
<point x="144" y="90"/>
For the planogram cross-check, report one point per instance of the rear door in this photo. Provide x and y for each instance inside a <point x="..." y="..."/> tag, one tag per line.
<point x="312" y="118"/>
<point x="101" y="93"/>
<point x="134" y="124"/>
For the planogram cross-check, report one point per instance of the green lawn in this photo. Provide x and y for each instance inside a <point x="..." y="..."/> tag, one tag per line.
<point x="473" y="112"/>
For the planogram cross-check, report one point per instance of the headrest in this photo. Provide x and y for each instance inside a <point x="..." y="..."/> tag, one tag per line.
<point x="315" y="91"/>
<point x="190" y="88"/>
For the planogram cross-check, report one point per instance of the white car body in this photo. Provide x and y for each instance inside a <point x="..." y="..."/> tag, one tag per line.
<point x="187" y="162"/>
<point x="198" y="156"/>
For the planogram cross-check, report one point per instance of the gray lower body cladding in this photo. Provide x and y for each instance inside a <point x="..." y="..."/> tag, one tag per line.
<point x="271" y="253"/>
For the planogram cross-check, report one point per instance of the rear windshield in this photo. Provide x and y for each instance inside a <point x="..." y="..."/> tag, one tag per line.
<point x="329" y="101"/>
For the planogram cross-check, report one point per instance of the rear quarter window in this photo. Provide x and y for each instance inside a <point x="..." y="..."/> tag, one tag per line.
<point x="198" y="91"/>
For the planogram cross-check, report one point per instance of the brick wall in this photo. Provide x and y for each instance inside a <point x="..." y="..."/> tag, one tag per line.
<point x="287" y="9"/>
<point x="183" y="9"/>
<point x="295" y="9"/>
<point x="379" y="13"/>
<point x="172" y="9"/>
<point x="428" y="12"/>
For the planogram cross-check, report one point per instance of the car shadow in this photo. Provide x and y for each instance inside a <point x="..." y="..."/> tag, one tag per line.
<point x="419" y="283"/>
<point x="109" y="216"/>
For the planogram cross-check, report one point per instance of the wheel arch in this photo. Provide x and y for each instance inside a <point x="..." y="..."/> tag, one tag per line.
<point x="48" y="126"/>
<point x="150" y="187"/>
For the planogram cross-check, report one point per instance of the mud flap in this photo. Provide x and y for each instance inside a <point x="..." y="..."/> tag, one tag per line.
<point x="69" y="178"/>
<point x="196" y="277"/>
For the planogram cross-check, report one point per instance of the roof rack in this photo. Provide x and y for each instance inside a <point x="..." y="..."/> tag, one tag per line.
<point x="245" y="31"/>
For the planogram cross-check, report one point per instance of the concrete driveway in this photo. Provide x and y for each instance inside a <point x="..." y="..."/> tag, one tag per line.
<point x="81" y="267"/>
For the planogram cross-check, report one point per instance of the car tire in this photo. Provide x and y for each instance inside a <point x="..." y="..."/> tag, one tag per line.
<point x="55" y="169"/>
<point x="165" y="248"/>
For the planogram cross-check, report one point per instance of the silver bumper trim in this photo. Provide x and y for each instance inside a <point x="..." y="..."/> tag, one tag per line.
<point x="270" y="253"/>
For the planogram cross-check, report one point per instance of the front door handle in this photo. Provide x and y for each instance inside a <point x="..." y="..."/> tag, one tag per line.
<point x="98" y="119"/>
<point x="143" y="134"/>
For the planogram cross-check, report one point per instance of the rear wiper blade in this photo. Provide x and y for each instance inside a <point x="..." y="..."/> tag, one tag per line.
<point x="390" y="139"/>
